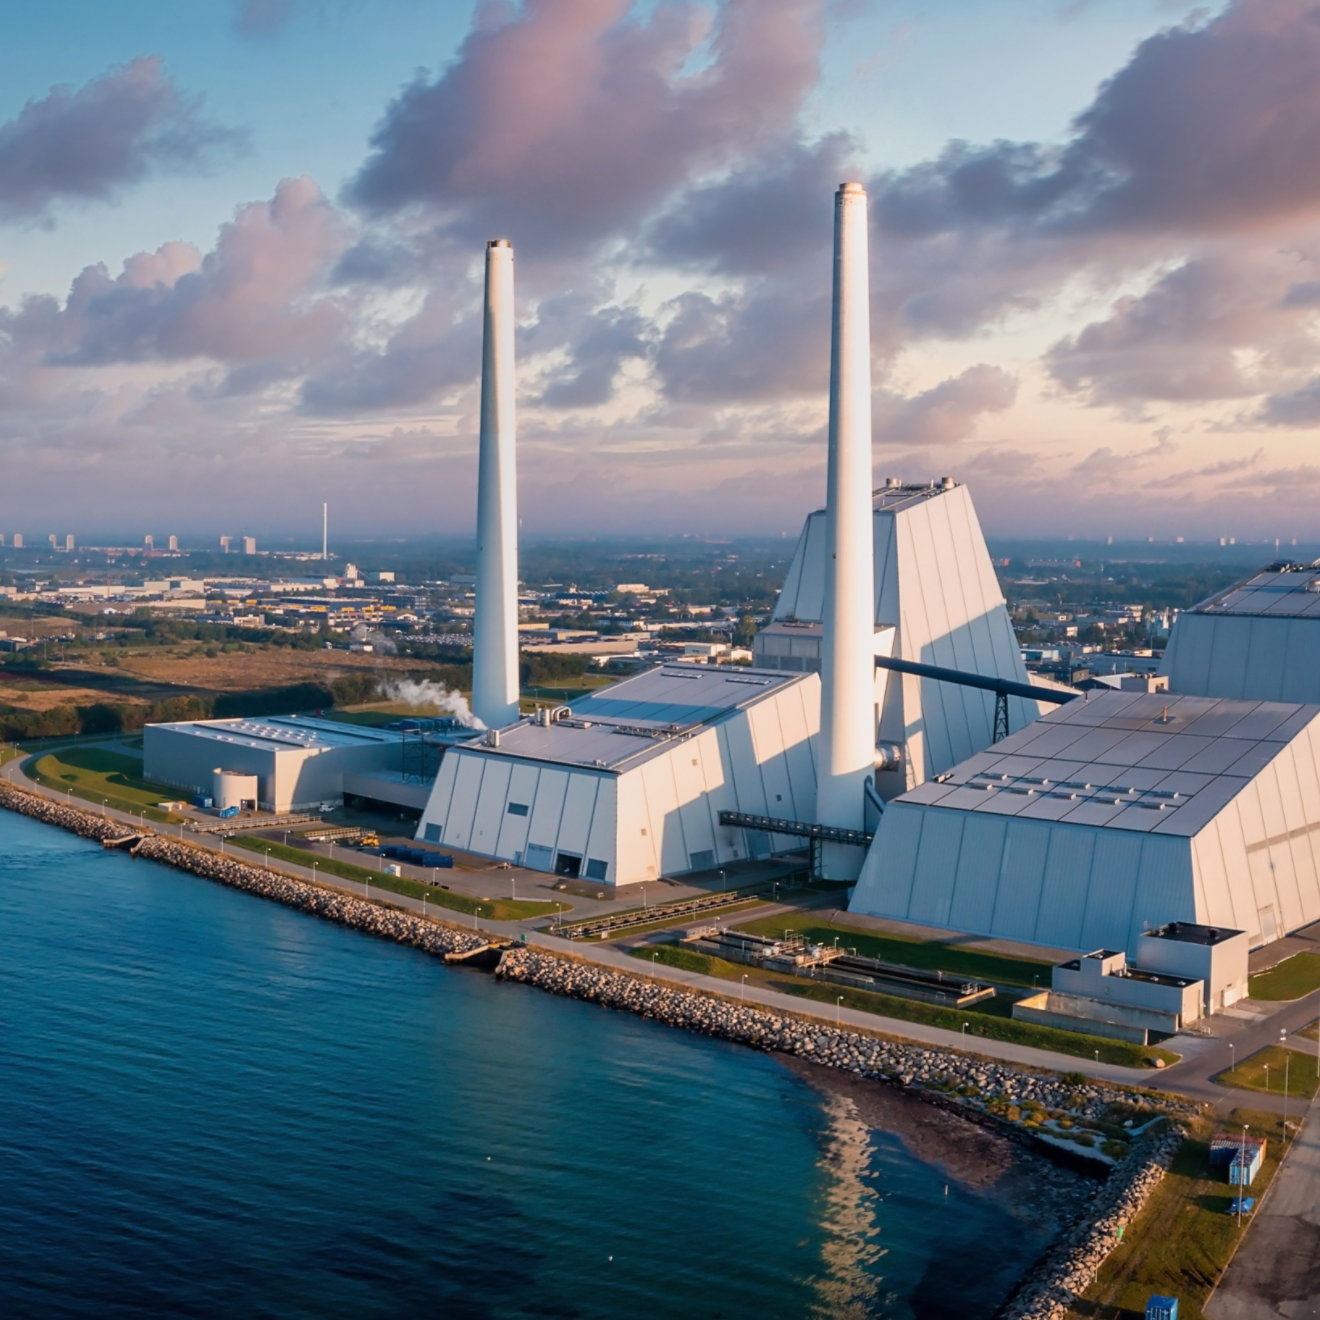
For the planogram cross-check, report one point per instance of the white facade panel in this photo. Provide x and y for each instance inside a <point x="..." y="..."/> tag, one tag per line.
<point x="975" y="881"/>
<point x="1067" y="879"/>
<point x="936" y="869"/>
<point x="1021" y="876"/>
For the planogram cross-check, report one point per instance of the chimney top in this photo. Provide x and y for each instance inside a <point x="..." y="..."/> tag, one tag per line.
<point x="852" y="189"/>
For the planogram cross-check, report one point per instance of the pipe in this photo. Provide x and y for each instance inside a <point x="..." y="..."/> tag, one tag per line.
<point x="847" y="699"/>
<point x="495" y="627"/>
<point x="1009" y="687"/>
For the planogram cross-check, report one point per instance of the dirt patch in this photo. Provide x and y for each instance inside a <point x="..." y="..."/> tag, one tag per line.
<point x="245" y="671"/>
<point x="38" y="696"/>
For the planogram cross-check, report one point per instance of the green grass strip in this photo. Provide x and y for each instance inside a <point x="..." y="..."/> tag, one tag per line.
<point x="924" y="955"/>
<point x="1290" y="979"/>
<point x="1265" y="1071"/>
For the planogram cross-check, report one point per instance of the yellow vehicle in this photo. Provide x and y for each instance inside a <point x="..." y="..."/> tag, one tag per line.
<point x="368" y="841"/>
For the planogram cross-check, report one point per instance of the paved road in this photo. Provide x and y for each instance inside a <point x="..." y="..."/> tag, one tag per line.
<point x="1276" y="1271"/>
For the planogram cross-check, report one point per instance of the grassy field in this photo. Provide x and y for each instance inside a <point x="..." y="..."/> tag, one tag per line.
<point x="928" y="955"/>
<point x="981" y="1025"/>
<point x="99" y="776"/>
<point x="498" y="909"/>
<point x="1251" y="1074"/>
<point x="1183" y="1240"/>
<point x="1290" y="979"/>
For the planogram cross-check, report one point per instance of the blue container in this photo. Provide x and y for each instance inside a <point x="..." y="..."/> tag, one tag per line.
<point x="1242" y="1173"/>
<point x="1162" y="1308"/>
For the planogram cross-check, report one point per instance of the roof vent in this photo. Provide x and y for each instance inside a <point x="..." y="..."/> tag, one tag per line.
<point x="947" y="483"/>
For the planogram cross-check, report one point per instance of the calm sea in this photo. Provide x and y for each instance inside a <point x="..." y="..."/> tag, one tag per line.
<point x="211" y="1106"/>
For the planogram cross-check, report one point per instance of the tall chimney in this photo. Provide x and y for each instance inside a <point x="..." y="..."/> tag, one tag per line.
<point x="847" y="676"/>
<point x="325" y="531"/>
<point x="495" y="629"/>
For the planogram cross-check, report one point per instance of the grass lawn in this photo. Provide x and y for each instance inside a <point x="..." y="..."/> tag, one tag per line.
<point x="96" y="775"/>
<point x="1251" y="1074"/>
<point x="1290" y="979"/>
<point x="981" y="1025"/>
<point x="929" y="955"/>
<point x="1311" y="1031"/>
<point x="8" y="754"/>
<point x="1181" y="1243"/>
<point x="498" y="909"/>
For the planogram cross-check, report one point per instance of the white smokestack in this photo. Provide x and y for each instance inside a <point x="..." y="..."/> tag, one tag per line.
<point x="847" y="676"/>
<point x="325" y="531"/>
<point x="495" y="629"/>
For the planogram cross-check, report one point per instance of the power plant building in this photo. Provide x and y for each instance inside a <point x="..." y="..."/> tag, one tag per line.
<point x="1259" y="640"/>
<point x="937" y="602"/>
<point x="297" y="763"/>
<point x="1109" y="817"/>
<point x="628" y="784"/>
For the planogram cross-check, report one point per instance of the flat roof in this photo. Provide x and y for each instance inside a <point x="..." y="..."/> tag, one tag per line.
<point x="1156" y="763"/>
<point x="283" y="733"/>
<point x="641" y="717"/>
<point x="1189" y="932"/>
<point x="1290" y="591"/>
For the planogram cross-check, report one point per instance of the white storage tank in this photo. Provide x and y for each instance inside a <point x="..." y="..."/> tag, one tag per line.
<point x="231" y="789"/>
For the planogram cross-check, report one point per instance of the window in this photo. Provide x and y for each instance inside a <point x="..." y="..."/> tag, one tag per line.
<point x="517" y="808"/>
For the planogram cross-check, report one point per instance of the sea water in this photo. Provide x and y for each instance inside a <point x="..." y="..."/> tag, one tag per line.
<point x="213" y="1106"/>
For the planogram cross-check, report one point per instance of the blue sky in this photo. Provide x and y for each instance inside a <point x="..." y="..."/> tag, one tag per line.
<point x="240" y="242"/>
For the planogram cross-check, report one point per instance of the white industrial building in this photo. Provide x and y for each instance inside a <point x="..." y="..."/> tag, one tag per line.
<point x="1259" y="640"/>
<point x="287" y="762"/>
<point x="628" y="784"/>
<point x="1111" y="816"/>
<point x="937" y="602"/>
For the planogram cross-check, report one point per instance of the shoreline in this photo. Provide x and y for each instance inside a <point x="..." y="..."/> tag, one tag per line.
<point x="920" y="1075"/>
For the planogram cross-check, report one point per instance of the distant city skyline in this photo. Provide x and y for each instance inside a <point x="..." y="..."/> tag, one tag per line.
<point x="241" y="246"/>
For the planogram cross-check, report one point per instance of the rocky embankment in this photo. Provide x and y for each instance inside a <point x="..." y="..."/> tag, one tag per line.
<point x="86" y="824"/>
<point x="854" y="1051"/>
<point x="372" y="918"/>
<point x="955" y="1080"/>
<point x="1072" y="1263"/>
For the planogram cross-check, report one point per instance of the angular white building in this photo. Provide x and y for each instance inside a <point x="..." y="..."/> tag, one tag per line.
<point x="937" y="602"/>
<point x="1109" y="817"/>
<point x="628" y="784"/>
<point x="1259" y="640"/>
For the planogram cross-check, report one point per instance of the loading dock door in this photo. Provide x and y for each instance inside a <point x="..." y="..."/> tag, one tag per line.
<point x="568" y="864"/>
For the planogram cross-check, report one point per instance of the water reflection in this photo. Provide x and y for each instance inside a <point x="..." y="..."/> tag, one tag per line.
<point x="851" y="1284"/>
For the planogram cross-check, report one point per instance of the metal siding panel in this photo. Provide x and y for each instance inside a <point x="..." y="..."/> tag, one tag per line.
<point x="639" y="848"/>
<point x="1213" y="891"/>
<point x="1164" y="885"/>
<point x="1063" y="895"/>
<point x="1021" y="875"/>
<point x="491" y="801"/>
<point x="1111" y="890"/>
<point x="693" y="810"/>
<point x="579" y="803"/>
<point x="603" y="838"/>
<point x="463" y="805"/>
<point x="547" y="809"/>
<point x="884" y="888"/>
<point x="442" y="791"/>
<point x="977" y="876"/>
<point x="662" y="815"/>
<point x="513" y="832"/>
<point x="936" y="868"/>
<point x="766" y="742"/>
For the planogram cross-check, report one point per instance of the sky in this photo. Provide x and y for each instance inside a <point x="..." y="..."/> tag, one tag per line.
<point x="241" y="249"/>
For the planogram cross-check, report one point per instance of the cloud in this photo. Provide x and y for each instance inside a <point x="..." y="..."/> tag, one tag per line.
<point x="252" y="299"/>
<point x="571" y="118"/>
<point x="947" y="412"/>
<point x="89" y="143"/>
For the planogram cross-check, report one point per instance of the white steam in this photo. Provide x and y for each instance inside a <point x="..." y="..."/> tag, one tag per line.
<point x="426" y="695"/>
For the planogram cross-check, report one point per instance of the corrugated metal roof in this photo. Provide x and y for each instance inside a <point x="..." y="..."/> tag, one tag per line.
<point x="1153" y="763"/>
<point x="283" y="732"/>
<point x="1288" y="591"/>
<point x="641" y="716"/>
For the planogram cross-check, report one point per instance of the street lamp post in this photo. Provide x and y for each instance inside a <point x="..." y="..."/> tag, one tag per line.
<point x="1232" y="1056"/>
<point x="1267" y="1079"/>
<point x="742" y="987"/>
<point x="1283" y="1044"/>
<point x="1242" y="1169"/>
<point x="513" y="888"/>
<point x="721" y="880"/>
<point x="965" y="1025"/>
<point x="654" y="956"/>
<point x="838" y="1010"/>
